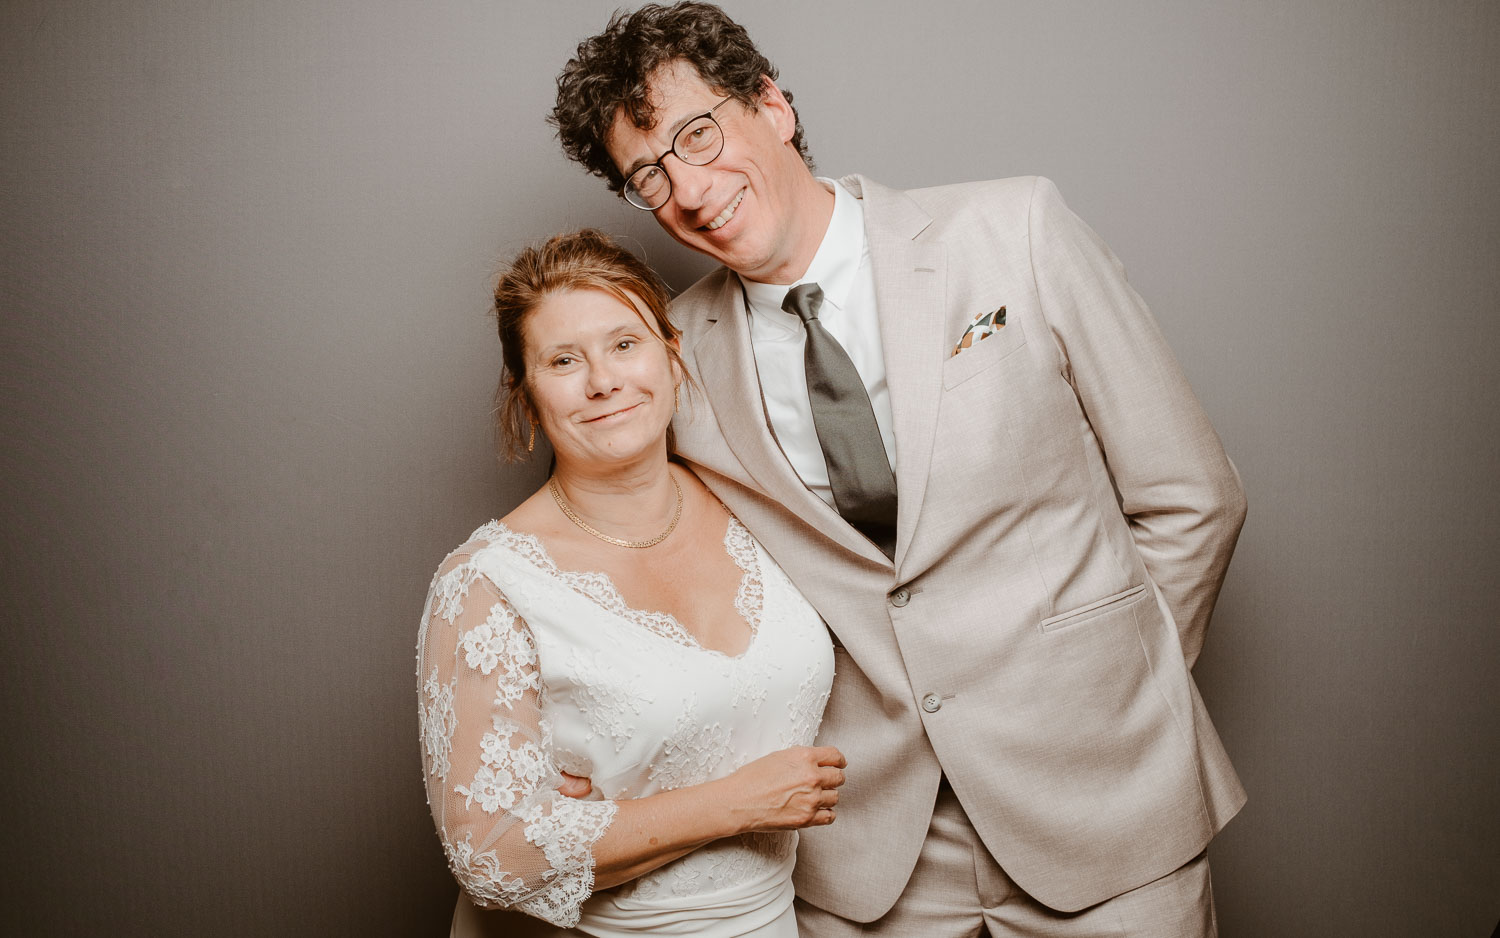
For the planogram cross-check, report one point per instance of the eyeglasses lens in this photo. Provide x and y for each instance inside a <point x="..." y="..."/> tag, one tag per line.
<point x="697" y="144"/>
<point x="649" y="187"/>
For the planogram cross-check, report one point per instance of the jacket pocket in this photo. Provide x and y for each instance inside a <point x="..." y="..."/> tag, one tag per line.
<point x="984" y="353"/>
<point x="1096" y="608"/>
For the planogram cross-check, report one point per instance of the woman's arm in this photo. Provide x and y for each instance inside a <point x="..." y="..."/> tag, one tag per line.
<point x="510" y="840"/>
<point x="785" y="790"/>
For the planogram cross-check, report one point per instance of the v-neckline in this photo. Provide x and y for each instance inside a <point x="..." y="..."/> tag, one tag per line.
<point x="598" y="587"/>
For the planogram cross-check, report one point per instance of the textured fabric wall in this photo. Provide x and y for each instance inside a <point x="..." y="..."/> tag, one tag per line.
<point x="248" y="372"/>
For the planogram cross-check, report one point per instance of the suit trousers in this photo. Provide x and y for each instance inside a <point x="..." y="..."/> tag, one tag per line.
<point x="958" y="891"/>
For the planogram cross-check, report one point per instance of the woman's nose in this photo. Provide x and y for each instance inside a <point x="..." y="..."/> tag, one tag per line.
<point x="602" y="379"/>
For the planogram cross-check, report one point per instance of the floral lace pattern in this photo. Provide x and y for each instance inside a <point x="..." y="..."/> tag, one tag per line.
<point x="608" y="703"/>
<point x="511" y="768"/>
<point x="806" y="708"/>
<point x="750" y="598"/>
<point x="721" y="864"/>
<point x="749" y="686"/>
<point x="449" y="591"/>
<point x="480" y="873"/>
<point x="489" y="532"/>
<point x="567" y="830"/>
<point x="479" y="660"/>
<point x="602" y="590"/>
<point x="438" y="721"/>
<point x="525" y="670"/>
<point x="497" y="642"/>
<point x="692" y="752"/>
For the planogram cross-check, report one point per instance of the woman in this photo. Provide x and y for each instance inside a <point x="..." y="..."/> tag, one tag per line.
<point x="621" y="625"/>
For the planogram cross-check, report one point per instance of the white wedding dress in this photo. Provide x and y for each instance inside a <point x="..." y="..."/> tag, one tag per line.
<point x="525" y="669"/>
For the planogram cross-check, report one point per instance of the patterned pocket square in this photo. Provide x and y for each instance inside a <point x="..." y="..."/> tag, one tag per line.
<point x="983" y="326"/>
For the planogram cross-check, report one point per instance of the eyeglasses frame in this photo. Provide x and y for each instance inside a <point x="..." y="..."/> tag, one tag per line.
<point x="672" y="151"/>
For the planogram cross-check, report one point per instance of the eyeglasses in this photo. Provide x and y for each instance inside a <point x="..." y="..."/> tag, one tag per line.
<point x="698" y="143"/>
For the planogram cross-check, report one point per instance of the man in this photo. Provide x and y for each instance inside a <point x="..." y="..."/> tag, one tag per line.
<point x="952" y="421"/>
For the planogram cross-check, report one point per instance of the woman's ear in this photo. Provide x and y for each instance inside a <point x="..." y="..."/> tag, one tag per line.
<point x="679" y="370"/>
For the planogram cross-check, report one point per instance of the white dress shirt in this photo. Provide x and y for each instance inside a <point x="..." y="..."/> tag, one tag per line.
<point x="841" y="269"/>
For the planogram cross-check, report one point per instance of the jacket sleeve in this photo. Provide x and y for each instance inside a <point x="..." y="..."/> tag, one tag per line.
<point x="1180" y="494"/>
<point x="512" y="841"/>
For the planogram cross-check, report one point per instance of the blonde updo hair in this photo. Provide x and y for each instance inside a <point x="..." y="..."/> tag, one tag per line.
<point x="582" y="260"/>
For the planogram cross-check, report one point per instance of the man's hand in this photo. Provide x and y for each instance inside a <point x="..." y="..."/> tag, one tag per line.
<point x="575" y="786"/>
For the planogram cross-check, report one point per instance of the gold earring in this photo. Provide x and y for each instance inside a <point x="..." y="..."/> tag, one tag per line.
<point x="531" y="440"/>
<point x="676" y="399"/>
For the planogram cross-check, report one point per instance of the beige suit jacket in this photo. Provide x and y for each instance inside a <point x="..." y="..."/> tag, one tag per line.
<point x="1066" y="515"/>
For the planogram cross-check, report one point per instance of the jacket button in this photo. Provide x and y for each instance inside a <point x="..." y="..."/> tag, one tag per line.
<point x="932" y="703"/>
<point x="900" y="598"/>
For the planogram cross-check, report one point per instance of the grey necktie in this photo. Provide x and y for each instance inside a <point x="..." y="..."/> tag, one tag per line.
<point x="864" y="487"/>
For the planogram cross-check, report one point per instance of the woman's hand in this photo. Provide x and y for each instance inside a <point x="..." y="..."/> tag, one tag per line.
<point x="786" y="790"/>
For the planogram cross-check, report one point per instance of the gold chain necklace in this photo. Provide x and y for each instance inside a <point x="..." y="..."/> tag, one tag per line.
<point x="567" y="509"/>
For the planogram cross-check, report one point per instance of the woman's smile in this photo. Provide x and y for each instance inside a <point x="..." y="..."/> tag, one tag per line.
<point x="610" y="416"/>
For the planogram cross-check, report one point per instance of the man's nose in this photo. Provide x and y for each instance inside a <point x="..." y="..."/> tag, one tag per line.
<point x="690" y="184"/>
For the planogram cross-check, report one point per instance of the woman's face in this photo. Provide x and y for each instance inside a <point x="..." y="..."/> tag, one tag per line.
<point x="601" y="379"/>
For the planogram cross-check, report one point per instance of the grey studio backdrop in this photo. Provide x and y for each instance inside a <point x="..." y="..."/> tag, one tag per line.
<point x="248" y="368"/>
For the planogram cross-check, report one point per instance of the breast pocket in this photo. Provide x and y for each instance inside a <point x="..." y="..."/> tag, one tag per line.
<point x="1094" y="609"/>
<point x="984" y="354"/>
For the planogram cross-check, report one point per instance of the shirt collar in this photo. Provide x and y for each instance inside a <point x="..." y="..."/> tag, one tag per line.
<point x="836" y="263"/>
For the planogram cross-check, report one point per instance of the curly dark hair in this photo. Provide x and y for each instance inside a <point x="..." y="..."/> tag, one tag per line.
<point x="613" y="69"/>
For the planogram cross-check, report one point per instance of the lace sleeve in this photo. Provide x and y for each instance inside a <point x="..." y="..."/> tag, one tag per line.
<point x="511" y="840"/>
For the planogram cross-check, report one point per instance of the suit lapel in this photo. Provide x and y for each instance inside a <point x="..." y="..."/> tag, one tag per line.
<point x="910" y="299"/>
<point x="726" y="368"/>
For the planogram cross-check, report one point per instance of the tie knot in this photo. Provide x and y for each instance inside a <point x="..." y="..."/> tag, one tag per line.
<point x="803" y="300"/>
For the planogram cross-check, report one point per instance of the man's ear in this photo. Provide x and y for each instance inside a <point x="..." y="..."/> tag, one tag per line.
<point x="779" y="108"/>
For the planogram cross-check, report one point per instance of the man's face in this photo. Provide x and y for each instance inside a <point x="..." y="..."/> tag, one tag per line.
<point x="748" y="209"/>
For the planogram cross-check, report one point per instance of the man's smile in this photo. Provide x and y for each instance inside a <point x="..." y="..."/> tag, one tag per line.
<point x="723" y="217"/>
